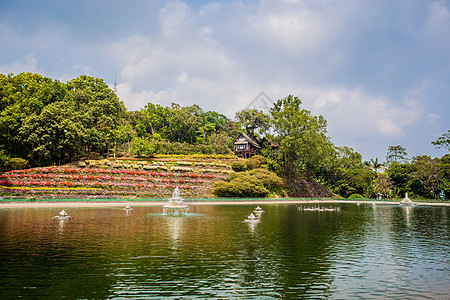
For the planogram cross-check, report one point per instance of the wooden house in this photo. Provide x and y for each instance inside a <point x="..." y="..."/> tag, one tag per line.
<point x="245" y="146"/>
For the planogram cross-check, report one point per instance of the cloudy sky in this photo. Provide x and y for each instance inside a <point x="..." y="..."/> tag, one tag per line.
<point x="378" y="71"/>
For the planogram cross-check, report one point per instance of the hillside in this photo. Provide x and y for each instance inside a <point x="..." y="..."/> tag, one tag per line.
<point x="117" y="178"/>
<point x="131" y="178"/>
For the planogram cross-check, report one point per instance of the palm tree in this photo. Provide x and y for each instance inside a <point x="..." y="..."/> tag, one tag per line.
<point x="375" y="165"/>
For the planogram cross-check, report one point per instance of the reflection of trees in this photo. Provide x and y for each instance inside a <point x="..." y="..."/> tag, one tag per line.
<point x="304" y="247"/>
<point x="42" y="260"/>
<point x="104" y="252"/>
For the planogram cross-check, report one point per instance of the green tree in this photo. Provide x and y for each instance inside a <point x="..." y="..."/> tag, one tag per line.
<point x="332" y="171"/>
<point x="99" y="110"/>
<point x="401" y="176"/>
<point x="252" y="120"/>
<point x="444" y="166"/>
<point x="426" y="171"/>
<point x="443" y="141"/>
<point x="143" y="147"/>
<point x="21" y="97"/>
<point x="375" y="165"/>
<point x="153" y="120"/>
<point x="383" y="185"/>
<point x="301" y="136"/>
<point x="396" y="154"/>
<point x="355" y="181"/>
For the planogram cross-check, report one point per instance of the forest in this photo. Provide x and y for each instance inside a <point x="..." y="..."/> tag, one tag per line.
<point x="44" y="122"/>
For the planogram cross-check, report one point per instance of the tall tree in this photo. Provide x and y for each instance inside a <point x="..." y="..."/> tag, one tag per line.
<point x="383" y="185"/>
<point x="21" y="97"/>
<point x="375" y="165"/>
<point x="443" y="141"/>
<point x="99" y="111"/>
<point x="252" y="120"/>
<point x="302" y="136"/>
<point x="426" y="170"/>
<point x="396" y="154"/>
<point x="401" y="175"/>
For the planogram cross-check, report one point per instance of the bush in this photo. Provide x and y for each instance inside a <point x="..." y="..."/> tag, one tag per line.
<point x="142" y="146"/>
<point x="17" y="163"/>
<point x="239" y="188"/>
<point x="256" y="183"/>
<point x="355" y="196"/>
<point x="238" y="166"/>
<point x="256" y="162"/>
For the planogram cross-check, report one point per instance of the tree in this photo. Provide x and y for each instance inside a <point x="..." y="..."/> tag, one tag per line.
<point x="444" y="166"/>
<point x="252" y="120"/>
<point x="355" y="181"/>
<point x="333" y="169"/>
<point x="98" y="110"/>
<point x="21" y="97"/>
<point x="427" y="172"/>
<point x="401" y="176"/>
<point x="375" y="165"/>
<point x="443" y="141"/>
<point x="153" y="119"/>
<point x="396" y="154"/>
<point x="301" y="136"/>
<point x="383" y="185"/>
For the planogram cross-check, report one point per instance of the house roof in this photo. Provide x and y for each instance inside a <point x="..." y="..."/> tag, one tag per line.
<point x="249" y="139"/>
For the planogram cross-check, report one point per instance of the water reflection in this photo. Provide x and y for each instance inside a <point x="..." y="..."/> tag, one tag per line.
<point x="174" y="226"/>
<point x="358" y="252"/>
<point x="407" y="211"/>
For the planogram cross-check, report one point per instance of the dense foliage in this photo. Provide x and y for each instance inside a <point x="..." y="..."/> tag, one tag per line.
<point x="254" y="183"/>
<point x="44" y="122"/>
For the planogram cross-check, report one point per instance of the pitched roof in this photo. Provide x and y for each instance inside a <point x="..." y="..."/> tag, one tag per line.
<point x="249" y="139"/>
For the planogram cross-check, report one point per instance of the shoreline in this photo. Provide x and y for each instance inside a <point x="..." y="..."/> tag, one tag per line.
<point x="115" y="203"/>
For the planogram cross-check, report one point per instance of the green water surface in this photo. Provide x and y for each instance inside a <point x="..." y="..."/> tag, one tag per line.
<point x="358" y="252"/>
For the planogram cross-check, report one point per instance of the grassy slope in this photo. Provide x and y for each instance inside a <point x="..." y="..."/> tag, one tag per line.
<point x="118" y="178"/>
<point x="132" y="178"/>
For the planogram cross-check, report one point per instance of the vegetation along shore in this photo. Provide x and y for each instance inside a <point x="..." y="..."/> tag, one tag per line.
<point x="76" y="140"/>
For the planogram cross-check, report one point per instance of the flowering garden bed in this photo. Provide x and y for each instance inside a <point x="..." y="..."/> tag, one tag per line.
<point x="109" y="182"/>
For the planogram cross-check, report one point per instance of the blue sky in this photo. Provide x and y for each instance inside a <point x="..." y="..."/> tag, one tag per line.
<point x="378" y="71"/>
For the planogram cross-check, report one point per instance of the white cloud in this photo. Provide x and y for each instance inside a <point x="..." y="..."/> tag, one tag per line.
<point x="173" y="18"/>
<point x="28" y="65"/>
<point x="376" y="70"/>
<point x="357" y="113"/>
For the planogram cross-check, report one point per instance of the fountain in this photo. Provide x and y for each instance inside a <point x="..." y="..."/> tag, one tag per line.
<point x="407" y="201"/>
<point x="175" y="206"/>
<point x="62" y="216"/>
<point x="128" y="208"/>
<point x="258" y="210"/>
<point x="252" y="219"/>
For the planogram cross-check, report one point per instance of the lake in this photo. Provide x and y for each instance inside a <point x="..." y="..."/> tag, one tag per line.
<point x="355" y="252"/>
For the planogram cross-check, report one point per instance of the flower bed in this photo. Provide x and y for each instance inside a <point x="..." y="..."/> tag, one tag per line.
<point x="53" y="182"/>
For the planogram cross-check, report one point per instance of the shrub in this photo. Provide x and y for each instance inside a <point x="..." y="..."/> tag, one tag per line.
<point x="256" y="183"/>
<point x="239" y="188"/>
<point x="142" y="146"/>
<point x="355" y="196"/>
<point x="238" y="166"/>
<point x="256" y="162"/>
<point x="17" y="163"/>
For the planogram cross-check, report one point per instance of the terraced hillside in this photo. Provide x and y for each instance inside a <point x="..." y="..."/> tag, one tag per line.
<point x="118" y="178"/>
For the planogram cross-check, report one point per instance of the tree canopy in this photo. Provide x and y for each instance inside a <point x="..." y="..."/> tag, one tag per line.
<point x="302" y="137"/>
<point x="46" y="122"/>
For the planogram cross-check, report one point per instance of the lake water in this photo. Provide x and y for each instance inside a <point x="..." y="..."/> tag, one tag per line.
<point x="359" y="252"/>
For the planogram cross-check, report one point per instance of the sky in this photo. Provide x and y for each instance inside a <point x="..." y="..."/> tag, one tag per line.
<point x="378" y="71"/>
